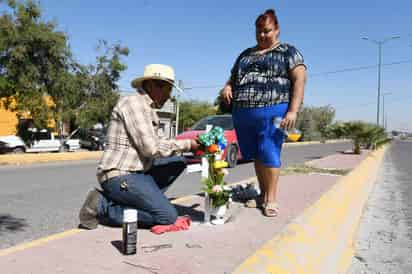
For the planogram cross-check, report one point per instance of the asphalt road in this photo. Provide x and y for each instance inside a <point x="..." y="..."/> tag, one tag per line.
<point x="43" y="199"/>
<point x="384" y="243"/>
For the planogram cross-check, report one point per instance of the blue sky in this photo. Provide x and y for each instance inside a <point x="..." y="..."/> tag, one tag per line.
<point x="201" y="40"/>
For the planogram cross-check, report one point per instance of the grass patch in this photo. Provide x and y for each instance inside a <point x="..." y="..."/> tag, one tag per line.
<point x="303" y="169"/>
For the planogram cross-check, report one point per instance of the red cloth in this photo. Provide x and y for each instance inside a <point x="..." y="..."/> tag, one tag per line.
<point x="182" y="223"/>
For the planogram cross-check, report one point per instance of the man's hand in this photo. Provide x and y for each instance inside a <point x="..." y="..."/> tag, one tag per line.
<point x="194" y="145"/>
<point x="289" y="121"/>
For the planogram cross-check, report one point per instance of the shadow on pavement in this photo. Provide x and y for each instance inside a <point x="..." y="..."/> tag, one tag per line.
<point x="313" y="157"/>
<point x="195" y="215"/>
<point x="11" y="224"/>
<point x="350" y="152"/>
<point x="118" y="245"/>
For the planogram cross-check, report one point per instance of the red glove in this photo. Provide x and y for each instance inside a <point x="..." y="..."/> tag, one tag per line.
<point x="182" y="223"/>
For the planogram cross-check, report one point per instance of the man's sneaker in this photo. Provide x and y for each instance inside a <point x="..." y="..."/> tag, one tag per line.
<point x="88" y="212"/>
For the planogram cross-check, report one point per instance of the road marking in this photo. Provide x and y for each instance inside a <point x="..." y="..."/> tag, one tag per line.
<point x="38" y="242"/>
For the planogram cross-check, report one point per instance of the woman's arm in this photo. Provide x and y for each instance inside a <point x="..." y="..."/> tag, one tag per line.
<point x="298" y="78"/>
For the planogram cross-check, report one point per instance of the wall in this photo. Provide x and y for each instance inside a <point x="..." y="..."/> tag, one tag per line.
<point x="8" y="121"/>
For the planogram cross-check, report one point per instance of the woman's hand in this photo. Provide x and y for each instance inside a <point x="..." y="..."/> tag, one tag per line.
<point x="227" y="94"/>
<point x="289" y="121"/>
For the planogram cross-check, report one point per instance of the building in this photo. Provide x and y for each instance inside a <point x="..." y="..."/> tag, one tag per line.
<point x="8" y="121"/>
<point x="167" y="118"/>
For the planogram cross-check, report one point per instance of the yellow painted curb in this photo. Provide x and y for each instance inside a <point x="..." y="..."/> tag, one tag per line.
<point x="321" y="240"/>
<point x="30" y="158"/>
<point x="292" y="144"/>
<point x="38" y="242"/>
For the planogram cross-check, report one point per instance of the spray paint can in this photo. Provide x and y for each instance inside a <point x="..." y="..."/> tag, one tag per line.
<point x="129" y="231"/>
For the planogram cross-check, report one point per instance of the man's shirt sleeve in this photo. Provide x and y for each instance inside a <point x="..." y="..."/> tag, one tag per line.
<point x="140" y="123"/>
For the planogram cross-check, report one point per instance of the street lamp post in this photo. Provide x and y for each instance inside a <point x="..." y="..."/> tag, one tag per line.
<point x="383" y="109"/>
<point x="380" y="44"/>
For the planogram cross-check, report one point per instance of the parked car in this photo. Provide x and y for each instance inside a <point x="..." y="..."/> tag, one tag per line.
<point x="40" y="141"/>
<point x="91" y="139"/>
<point x="231" y="153"/>
<point x="11" y="144"/>
<point x="71" y="142"/>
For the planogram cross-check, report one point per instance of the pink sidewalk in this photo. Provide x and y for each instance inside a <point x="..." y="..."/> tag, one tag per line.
<point x="340" y="160"/>
<point x="201" y="249"/>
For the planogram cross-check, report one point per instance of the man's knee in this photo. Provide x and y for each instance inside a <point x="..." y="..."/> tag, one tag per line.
<point x="167" y="217"/>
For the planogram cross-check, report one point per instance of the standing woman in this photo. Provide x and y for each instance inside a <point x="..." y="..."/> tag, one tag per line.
<point x="267" y="81"/>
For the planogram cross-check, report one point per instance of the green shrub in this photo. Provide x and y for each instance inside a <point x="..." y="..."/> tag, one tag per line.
<point x="362" y="134"/>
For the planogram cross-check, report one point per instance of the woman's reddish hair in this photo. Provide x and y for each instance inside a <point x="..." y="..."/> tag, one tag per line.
<point x="269" y="14"/>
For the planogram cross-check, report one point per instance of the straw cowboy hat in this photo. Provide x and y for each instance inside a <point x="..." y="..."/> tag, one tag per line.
<point x="157" y="72"/>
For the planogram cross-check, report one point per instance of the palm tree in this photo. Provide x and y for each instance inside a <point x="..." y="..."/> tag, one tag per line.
<point x="363" y="134"/>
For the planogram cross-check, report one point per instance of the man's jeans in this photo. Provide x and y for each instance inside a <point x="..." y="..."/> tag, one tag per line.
<point x="142" y="191"/>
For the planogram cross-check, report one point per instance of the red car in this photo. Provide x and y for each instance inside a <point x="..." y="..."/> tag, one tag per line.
<point x="231" y="153"/>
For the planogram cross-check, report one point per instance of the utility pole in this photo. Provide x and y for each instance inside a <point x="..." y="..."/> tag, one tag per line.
<point x="379" y="43"/>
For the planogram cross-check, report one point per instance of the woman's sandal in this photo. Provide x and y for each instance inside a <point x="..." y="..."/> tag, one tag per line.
<point x="270" y="209"/>
<point x="254" y="203"/>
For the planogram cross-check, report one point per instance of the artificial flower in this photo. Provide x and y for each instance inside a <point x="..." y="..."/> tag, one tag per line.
<point x="217" y="188"/>
<point x="225" y="171"/>
<point x="213" y="148"/>
<point x="220" y="164"/>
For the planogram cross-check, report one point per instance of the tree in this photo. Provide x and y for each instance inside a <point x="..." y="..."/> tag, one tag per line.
<point x="361" y="133"/>
<point x="323" y="116"/>
<point x="307" y="125"/>
<point x="36" y="65"/>
<point x="192" y="111"/>
<point x="34" y="58"/>
<point x="314" y="121"/>
<point x="99" y="83"/>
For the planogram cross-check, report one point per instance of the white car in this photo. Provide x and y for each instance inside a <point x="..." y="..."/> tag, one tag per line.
<point x="71" y="143"/>
<point x="43" y="141"/>
<point x="12" y="144"/>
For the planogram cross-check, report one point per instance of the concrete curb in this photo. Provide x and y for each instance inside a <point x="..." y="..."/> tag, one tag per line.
<point x="321" y="240"/>
<point x="34" y="158"/>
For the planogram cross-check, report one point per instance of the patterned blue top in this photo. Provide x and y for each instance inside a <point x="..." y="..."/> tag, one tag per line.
<point x="260" y="80"/>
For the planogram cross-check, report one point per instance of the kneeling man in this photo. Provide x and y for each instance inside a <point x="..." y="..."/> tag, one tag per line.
<point x="137" y="165"/>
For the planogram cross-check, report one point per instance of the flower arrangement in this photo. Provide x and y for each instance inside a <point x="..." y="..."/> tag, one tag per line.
<point x="213" y="143"/>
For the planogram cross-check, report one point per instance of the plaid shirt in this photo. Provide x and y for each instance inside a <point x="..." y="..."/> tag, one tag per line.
<point x="132" y="137"/>
<point x="260" y="80"/>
